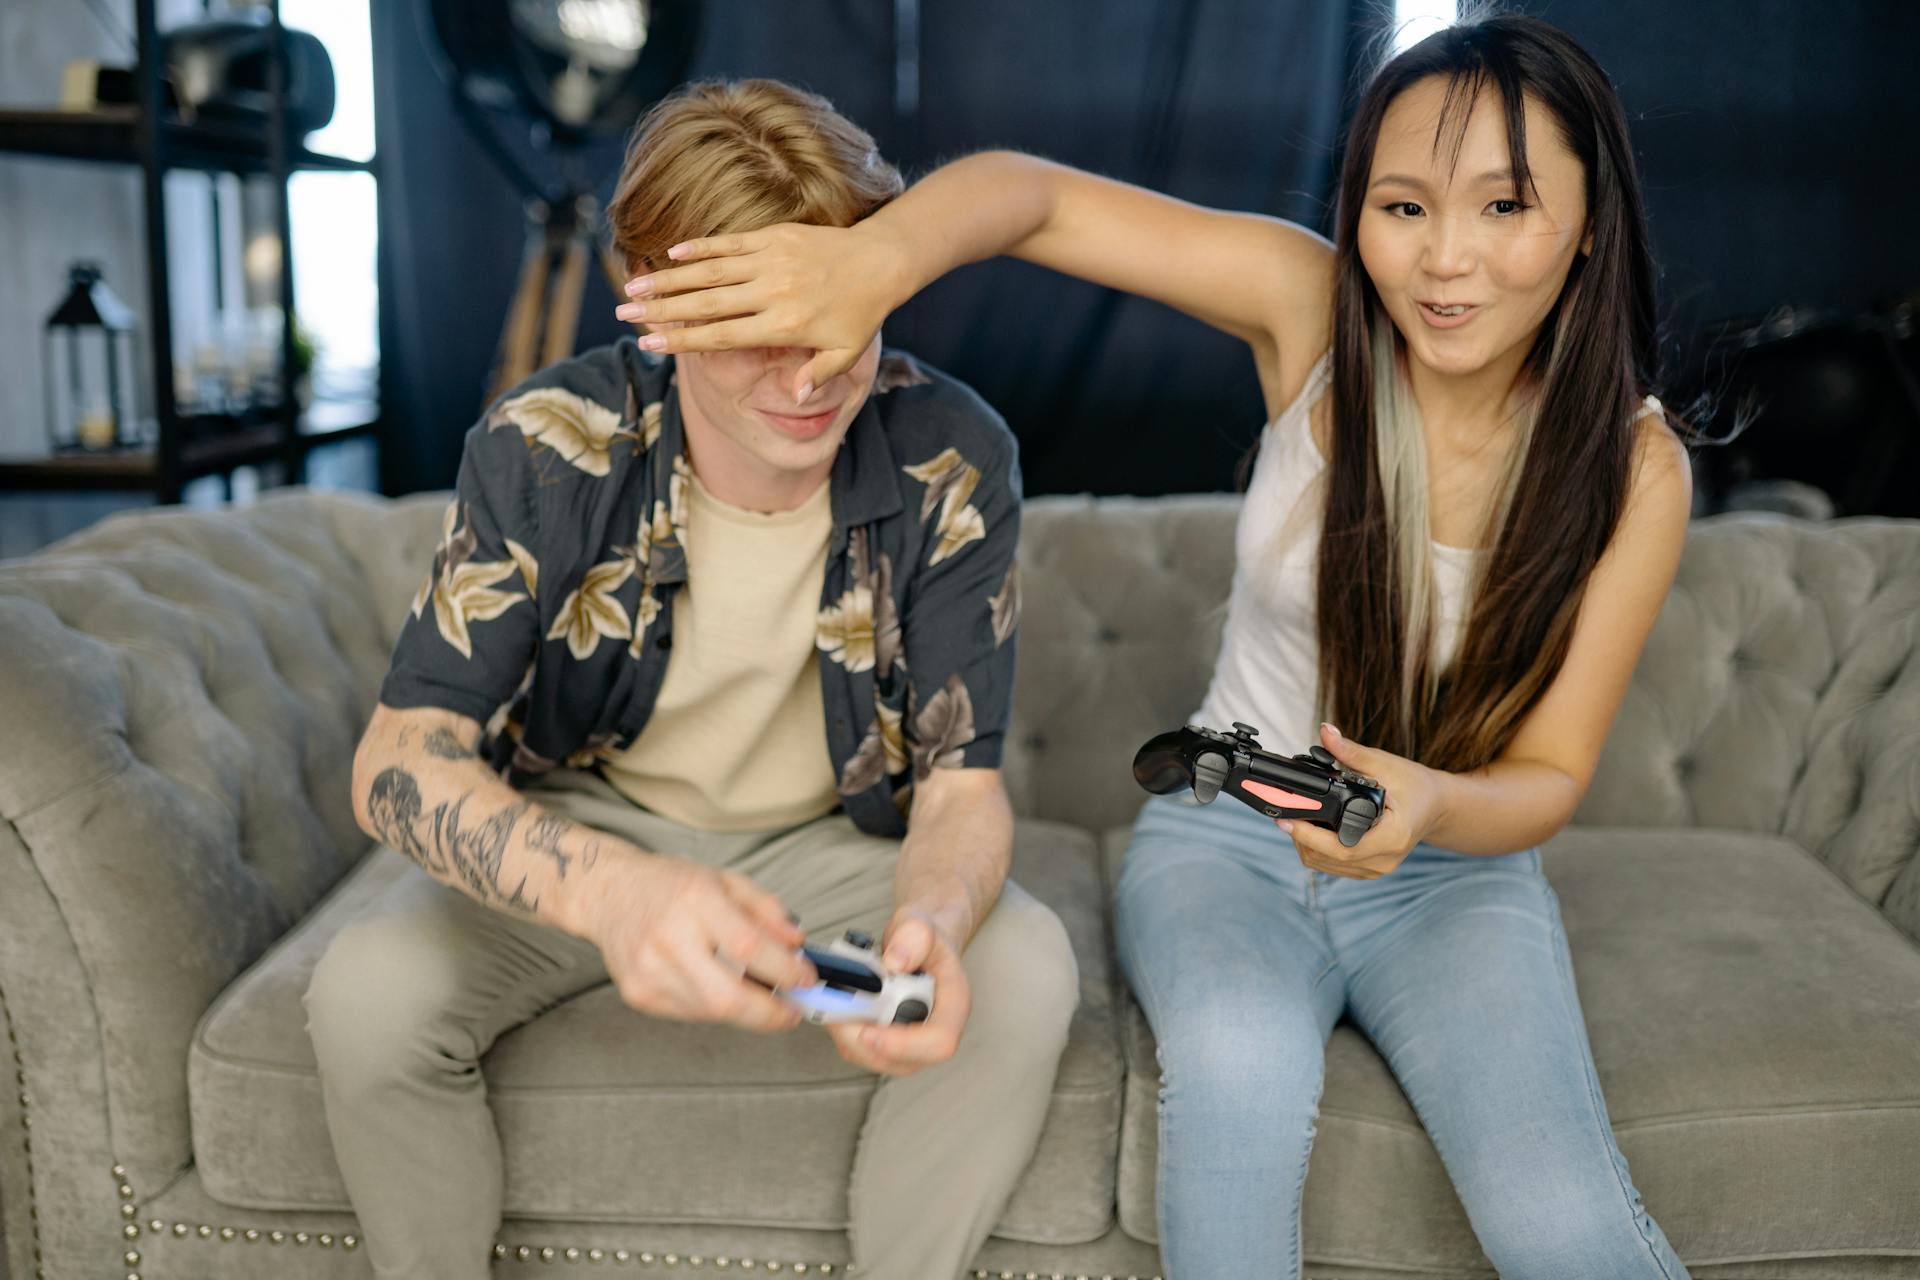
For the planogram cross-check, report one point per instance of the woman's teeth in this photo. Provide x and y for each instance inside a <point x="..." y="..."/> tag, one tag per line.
<point x="1445" y="311"/>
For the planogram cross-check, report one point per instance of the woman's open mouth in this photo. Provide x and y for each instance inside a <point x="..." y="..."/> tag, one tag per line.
<point x="1451" y="316"/>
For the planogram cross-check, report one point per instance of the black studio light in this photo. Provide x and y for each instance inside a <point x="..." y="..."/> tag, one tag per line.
<point x="535" y="81"/>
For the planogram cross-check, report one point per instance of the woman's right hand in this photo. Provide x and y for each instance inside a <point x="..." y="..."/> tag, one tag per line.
<point x="788" y="285"/>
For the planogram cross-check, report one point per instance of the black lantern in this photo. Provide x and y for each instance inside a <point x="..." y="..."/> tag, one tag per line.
<point x="87" y="360"/>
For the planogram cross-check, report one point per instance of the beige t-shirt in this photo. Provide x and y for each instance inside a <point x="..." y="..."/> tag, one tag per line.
<point x="738" y="739"/>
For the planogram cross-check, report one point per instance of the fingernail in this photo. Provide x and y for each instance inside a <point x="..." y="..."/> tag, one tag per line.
<point x="1286" y="825"/>
<point x="677" y="251"/>
<point x="635" y="311"/>
<point x="800" y="396"/>
<point x="654" y="342"/>
<point x="1330" y="729"/>
<point x="637" y="287"/>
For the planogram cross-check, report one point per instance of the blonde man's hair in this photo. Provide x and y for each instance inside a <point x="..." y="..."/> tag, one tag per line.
<point x="726" y="156"/>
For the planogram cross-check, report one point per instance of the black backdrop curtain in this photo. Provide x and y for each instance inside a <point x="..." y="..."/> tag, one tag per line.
<point x="1235" y="103"/>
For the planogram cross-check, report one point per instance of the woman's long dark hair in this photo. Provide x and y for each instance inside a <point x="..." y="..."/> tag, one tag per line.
<point x="1595" y="354"/>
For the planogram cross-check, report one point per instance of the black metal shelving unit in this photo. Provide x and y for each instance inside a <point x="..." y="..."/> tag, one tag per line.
<point x="145" y="136"/>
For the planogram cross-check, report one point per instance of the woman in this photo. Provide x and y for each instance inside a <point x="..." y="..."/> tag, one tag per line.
<point x="1463" y="520"/>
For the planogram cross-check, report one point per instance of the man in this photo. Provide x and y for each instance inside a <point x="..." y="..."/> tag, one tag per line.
<point x="689" y="658"/>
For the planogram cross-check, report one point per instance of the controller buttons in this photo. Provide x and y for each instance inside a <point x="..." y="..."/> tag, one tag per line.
<point x="910" y="1010"/>
<point x="1323" y="755"/>
<point x="860" y="939"/>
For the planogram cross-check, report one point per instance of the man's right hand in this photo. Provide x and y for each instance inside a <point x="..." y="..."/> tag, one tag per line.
<point x="688" y="942"/>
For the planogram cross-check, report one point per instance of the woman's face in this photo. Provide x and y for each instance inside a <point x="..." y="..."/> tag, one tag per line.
<point x="1439" y="234"/>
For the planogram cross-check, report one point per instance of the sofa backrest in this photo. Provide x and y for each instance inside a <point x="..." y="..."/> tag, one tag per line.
<point x="1779" y="690"/>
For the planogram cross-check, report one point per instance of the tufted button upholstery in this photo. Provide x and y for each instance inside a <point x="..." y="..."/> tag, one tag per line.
<point x="1779" y="691"/>
<point x="184" y="694"/>
<point x="1125" y="599"/>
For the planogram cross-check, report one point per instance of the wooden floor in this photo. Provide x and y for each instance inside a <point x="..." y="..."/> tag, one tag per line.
<point x="30" y="521"/>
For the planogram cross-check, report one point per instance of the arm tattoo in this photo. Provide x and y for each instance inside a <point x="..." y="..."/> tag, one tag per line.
<point x="477" y="851"/>
<point x="443" y="842"/>
<point x="444" y="744"/>
<point x="393" y="804"/>
<point x="546" y="834"/>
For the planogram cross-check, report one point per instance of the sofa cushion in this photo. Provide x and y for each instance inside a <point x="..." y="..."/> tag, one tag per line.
<point x="605" y="1114"/>
<point x="1756" y="1026"/>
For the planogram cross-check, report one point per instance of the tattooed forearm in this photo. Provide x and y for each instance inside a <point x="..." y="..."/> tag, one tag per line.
<point x="445" y="841"/>
<point x="476" y="851"/>
<point x="545" y="835"/>
<point x="444" y="744"/>
<point x="423" y="788"/>
<point x="393" y="806"/>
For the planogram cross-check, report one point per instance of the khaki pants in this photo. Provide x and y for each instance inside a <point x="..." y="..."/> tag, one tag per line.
<point x="410" y="995"/>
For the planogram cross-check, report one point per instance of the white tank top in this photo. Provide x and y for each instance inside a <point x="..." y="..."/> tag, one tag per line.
<point x="1269" y="664"/>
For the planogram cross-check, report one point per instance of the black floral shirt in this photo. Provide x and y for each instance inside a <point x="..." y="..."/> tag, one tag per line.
<point x="548" y="613"/>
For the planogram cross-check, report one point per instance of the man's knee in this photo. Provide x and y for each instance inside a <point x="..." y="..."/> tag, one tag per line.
<point x="377" y="1004"/>
<point x="1021" y="967"/>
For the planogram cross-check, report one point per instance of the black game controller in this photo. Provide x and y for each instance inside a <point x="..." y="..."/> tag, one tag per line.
<point x="1312" y="787"/>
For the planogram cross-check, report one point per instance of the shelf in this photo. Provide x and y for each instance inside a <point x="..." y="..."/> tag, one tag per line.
<point x="248" y="440"/>
<point x="111" y="135"/>
<point x="117" y="469"/>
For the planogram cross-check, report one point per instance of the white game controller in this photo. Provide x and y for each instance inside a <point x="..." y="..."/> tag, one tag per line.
<point x="855" y="987"/>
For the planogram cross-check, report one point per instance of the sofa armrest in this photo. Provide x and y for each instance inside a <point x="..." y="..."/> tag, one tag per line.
<point x="184" y="694"/>
<point x="57" y="1194"/>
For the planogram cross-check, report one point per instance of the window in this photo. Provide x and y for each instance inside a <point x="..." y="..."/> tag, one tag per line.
<point x="333" y="215"/>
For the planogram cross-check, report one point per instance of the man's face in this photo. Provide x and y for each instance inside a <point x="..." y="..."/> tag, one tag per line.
<point x="746" y="398"/>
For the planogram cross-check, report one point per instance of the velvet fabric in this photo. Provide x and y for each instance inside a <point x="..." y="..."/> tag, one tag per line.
<point x="183" y="692"/>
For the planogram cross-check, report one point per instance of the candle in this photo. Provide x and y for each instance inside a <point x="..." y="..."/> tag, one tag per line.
<point x="96" y="429"/>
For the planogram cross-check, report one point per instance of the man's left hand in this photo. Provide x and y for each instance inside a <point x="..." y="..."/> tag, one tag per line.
<point x="1414" y="797"/>
<point x="913" y="943"/>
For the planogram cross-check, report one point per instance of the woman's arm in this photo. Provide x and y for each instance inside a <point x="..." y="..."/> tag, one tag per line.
<point x="1531" y="791"/>
<point x="1264" y="280"/>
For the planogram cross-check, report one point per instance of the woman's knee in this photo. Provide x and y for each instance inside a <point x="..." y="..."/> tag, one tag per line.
<point x="1233" y="1058"/>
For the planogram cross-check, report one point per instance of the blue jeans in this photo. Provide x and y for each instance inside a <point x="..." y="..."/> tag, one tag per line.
<point x="1454" y="966"/>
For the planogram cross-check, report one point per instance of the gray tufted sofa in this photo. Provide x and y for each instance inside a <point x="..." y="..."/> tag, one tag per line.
<point x="181" y="698"/>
